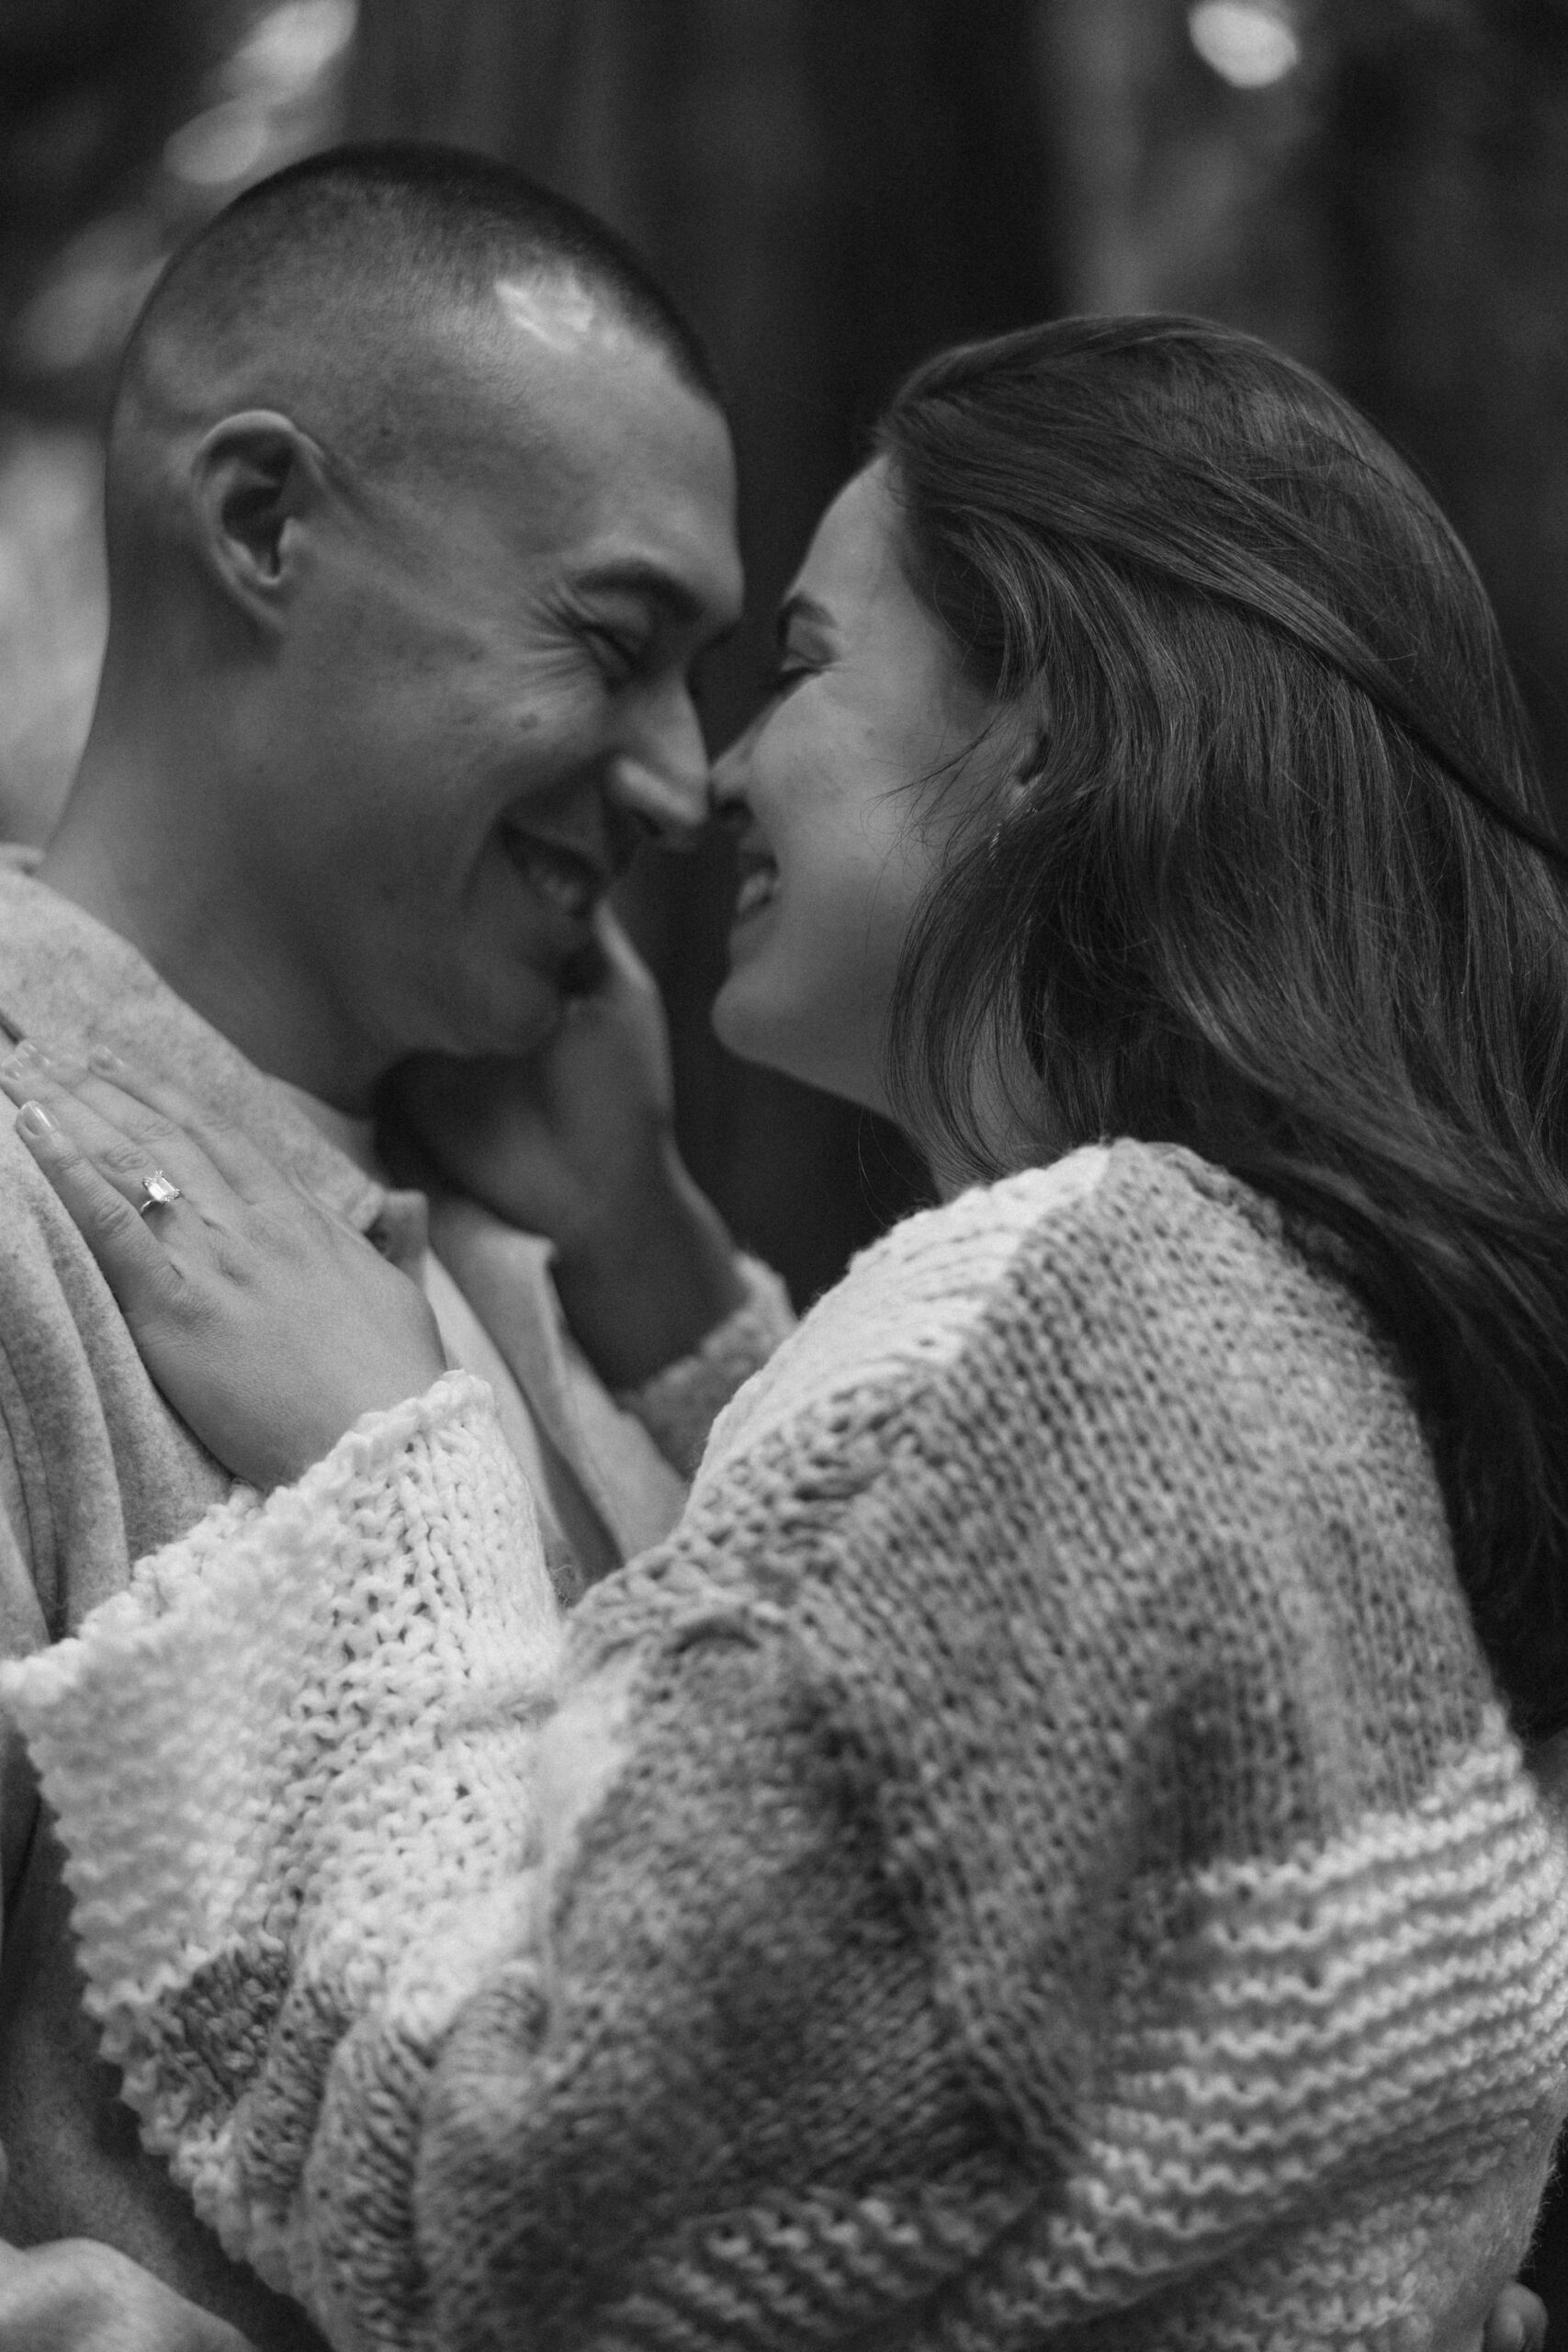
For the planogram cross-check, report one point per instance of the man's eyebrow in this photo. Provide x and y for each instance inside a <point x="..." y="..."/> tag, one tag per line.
<point x="636" y="578"/>
<point x="800" y="607"/>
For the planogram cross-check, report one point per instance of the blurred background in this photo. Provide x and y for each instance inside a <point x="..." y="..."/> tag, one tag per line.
<point x="830" y="187"/>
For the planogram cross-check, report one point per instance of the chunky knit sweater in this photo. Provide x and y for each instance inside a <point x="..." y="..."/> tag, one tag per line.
<point x="1035" y="1860"/>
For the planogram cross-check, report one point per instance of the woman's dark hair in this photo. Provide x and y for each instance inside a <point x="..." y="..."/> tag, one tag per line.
<point x="1282" y="887"/>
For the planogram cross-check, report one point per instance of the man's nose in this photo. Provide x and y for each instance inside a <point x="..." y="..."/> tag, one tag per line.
<point x="661" y="779"/>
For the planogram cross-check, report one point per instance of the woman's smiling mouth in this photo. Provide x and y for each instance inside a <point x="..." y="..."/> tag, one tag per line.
<point x="758" y="885"/>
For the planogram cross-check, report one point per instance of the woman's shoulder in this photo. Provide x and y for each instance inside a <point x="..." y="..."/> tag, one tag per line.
<point x="1131" y="1212"/>
<point x="1150" y="1190"/>
<point x="956" y="1247"/>
<point x="1124" y="1226"/>
<point x="905" y="1307"/>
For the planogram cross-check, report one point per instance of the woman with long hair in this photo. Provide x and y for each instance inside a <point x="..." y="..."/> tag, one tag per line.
<point x="1053" y="1849"/>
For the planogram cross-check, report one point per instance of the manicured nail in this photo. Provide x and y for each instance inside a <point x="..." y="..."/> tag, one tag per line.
<point x="106" y="1064"/>
<point x="26" y="1061"/>
<point x="34" y="1119"/>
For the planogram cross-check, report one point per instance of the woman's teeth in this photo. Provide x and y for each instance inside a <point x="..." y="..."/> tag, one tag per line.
<point x="757" y="886"/>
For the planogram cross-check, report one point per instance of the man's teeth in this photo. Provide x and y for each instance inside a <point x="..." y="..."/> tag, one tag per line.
<point x="563" y="880"/>
<point x="756" y="888"/>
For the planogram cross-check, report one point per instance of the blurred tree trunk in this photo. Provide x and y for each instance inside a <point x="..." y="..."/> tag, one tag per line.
<point x="830" y="191"/>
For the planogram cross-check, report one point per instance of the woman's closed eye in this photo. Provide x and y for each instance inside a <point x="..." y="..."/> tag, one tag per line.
<point x="805" y="643"/>
<point x="794" y="660"/>
<point x="787" y="670"/>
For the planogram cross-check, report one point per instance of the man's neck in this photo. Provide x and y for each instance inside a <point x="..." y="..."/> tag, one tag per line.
<point x="354" y="1136"/>
<point x="143" y="876"/>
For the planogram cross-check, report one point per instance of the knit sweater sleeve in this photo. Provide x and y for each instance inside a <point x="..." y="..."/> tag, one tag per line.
<point x="1056" y="1856"/>
<point x="1035" y="1847"/>
<point x="452" y="2037"/>
<point x="781" y="2076"/>
<point x="290" y="1766"/>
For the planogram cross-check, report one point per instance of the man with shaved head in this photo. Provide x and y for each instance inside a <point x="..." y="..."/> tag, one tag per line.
<point x="421" y="509"/>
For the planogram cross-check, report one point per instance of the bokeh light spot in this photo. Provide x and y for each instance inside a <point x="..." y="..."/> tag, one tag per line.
<point x="1247" y="42"/>
<point x="290" y="46"/>
<point x="220" y="146"/>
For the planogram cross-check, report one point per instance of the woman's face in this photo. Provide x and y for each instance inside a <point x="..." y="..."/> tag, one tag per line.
<point x="840" y="793"/>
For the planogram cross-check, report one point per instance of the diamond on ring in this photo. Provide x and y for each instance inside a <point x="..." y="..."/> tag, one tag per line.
<point x="159" y="1189"/>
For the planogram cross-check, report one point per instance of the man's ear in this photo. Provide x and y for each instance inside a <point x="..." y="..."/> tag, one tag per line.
<point x="256" y="480"/>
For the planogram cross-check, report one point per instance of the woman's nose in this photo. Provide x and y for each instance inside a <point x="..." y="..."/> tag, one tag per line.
<point x="726" y="777"/>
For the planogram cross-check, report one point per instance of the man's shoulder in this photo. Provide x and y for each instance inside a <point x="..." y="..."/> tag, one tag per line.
<point x="24" y="925"/>
<point x="67" y="980"/>
<point x="40" y="1251"/>
<point x="98" y="1461"/>
<point x="58" y="964"/>
<point x="97" y="1465"/>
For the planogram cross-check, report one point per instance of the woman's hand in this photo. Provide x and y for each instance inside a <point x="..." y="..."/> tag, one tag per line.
<point x="269" y="1324"/>
<point x="578" y="1143"/>
<point x="75" y="2296"/>
<point x="561" y="1143"/>
<point x="1516" y="2322"/>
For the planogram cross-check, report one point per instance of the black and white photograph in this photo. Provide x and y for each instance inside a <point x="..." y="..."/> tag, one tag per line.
<point x="783" y="1175"/>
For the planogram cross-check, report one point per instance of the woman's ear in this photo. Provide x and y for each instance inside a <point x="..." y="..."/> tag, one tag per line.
<point x="1026" y="759"/>
<point x="256" y="480"/>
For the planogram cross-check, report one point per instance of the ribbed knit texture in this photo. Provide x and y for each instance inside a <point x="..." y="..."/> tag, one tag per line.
<point x="1035" y="1860"/>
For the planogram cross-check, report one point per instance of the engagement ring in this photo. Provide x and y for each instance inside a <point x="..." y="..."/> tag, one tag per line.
<point x="160" y="1191"/>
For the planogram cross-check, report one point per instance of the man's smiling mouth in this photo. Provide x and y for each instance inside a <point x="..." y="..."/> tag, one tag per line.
<point x="562" y="877"/>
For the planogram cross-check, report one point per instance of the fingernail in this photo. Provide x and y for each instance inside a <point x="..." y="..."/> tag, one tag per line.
<point x="34" y="1119"/>
<point x="106" y="1064"/>
<point x="33" y="1060"/>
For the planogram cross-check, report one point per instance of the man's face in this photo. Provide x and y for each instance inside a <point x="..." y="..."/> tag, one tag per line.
<point x="485" y="694"/>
